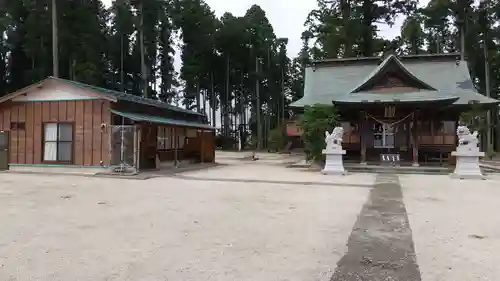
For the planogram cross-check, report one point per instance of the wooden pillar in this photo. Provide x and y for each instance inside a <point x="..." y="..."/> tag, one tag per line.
<point x="212" y="143"/>
<point x="137" y="146"/>
<point x="175" y="146"/>
<point x="202" y="154"/>
<point x="415" y="139"/>
<point x="362" y="137"/>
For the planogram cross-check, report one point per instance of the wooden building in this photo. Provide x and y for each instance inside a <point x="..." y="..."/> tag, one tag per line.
<point x="406" y="105"/>
<point x="62" y="123"/>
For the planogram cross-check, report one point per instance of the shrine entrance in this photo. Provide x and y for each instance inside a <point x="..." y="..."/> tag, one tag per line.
<point x="383" y="136"/>
<point x="389" y="135"/>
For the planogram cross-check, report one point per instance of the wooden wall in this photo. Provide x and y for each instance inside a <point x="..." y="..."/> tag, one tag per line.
<point x="91" y="143"/>
<point x="202" y="144"/>
<point x="148" y="144"/>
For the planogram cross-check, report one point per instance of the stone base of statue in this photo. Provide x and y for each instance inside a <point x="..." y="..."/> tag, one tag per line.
<point x="334" y="164"/>
<point x="467" y="164"/>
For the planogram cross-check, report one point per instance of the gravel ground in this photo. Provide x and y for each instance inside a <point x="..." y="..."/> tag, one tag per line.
<point x="455" y="224"/>
<point x="262" y="172"/>
<point x="77" y="228"/>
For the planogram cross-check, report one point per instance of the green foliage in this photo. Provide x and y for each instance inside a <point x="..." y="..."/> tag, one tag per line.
<point x="314" y="122"/>
<point x="348" y="28"/>
<point x="219" y="73"/>
<point x="104" y="47"/>
<point x="475" y="118"/>
<point x="277" y="139"/>
<point x="121" y="44"/>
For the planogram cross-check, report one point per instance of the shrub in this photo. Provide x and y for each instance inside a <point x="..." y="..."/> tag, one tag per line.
<point x="314" y="122"/>
<point x="277" y="139"/>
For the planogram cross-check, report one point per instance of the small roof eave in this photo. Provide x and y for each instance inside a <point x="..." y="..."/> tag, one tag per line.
<point x="418" y="100"/>
<point x="161" y="120"/>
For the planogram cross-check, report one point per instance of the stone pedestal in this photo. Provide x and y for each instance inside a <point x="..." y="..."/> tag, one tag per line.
<point x="467" y="164"/>
<point x="334" y="164"/>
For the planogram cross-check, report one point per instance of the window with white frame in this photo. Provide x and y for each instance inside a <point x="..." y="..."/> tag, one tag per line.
<point x="58" y="142"/>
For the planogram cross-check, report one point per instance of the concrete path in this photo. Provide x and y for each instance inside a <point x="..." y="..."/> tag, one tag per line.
<point x="380" y="246"/>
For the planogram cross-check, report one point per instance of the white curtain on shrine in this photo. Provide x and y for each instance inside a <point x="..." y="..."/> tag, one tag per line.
<point x="50" y="147"/>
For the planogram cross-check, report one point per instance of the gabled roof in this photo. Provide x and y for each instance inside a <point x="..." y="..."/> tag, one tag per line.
<point x="335" y="80"/>
<point x="105" y="94"/>
<point x="381" y="69"/>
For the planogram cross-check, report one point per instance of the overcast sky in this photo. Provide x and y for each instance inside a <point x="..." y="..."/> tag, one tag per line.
<point x="286" y="16"/>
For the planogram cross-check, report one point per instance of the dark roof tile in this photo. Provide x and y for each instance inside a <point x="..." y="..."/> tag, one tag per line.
<point x="450" y="78"/>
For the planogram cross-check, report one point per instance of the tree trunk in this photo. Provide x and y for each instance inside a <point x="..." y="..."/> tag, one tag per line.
<point x="367" y="46"/>
<point x="489" y="142"/>
<point x="242" y="101"/>
<point x="345" y="7"/>
<point x="226" y="101"/>
<point x="282" y="96"/>
<point x="55" y="50"/>
<point x="257" y="109"/>
<point x="122" y="74"/>
<point x="198" y="103"/>
<point x="143" y="60"/>
<point x="214" y="98"/>
<point x="204" y="95"/>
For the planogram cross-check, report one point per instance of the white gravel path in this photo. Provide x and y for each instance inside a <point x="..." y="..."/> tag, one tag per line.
<point x="76" y="228"/>
<point x="444" y="216"/>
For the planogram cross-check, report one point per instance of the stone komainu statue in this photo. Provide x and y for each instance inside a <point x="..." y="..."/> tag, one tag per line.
<point x="466" y="139"/>
<point x="335" y="138"/>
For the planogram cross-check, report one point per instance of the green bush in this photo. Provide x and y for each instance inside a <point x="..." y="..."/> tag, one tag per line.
<point x="314" y="122"/>
<point x="475" y="119"/>
<point x="277" y="139"/>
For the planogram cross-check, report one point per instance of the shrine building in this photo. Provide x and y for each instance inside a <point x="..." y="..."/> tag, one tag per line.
<point x="407" y="105"/>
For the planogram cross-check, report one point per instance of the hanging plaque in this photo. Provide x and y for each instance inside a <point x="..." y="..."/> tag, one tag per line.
<point x="389" y="111"/>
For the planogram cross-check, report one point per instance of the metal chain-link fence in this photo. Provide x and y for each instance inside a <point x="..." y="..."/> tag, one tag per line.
<point x="123" y="149"/>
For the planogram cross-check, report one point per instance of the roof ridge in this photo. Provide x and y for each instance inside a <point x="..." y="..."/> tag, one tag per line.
<point x="374" y="58"/>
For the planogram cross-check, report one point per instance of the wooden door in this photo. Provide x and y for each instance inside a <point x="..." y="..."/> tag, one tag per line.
<point x="4" y="150"/>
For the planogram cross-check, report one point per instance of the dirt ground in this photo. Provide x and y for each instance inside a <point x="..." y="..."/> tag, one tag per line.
<point x="80" y="228"/>
<point x="240" y="221"/>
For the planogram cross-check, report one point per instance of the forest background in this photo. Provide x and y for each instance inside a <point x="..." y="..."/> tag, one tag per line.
<point x="233" y="67"/>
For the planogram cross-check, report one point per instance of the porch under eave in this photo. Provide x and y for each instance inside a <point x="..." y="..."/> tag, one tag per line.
<point x="200" y="146"/>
